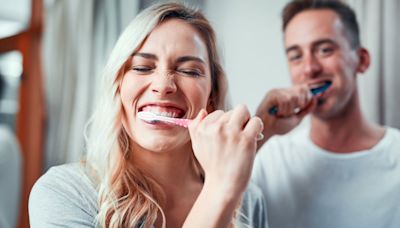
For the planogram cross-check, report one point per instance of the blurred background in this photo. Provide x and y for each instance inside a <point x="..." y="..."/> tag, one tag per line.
<point x="52" y="52"/>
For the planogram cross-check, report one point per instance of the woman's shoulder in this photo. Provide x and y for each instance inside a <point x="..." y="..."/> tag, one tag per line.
<point x="67" y="177"/>
<point x="64" y="193"/>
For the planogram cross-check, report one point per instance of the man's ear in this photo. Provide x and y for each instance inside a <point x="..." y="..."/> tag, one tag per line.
<point x="364" y="60"/>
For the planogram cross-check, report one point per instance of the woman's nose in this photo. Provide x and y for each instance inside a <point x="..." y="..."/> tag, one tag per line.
<point x="163" y="84"/>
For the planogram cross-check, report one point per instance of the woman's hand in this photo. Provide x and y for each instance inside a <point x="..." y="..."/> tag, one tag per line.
<point x="225" y="144"/>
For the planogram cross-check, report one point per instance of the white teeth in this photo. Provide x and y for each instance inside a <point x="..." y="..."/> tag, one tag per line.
<point x="168" y="114"/>
<point x="161" y="113"/>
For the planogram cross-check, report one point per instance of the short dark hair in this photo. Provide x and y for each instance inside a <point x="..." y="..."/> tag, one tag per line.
<point x="345" y="13"/>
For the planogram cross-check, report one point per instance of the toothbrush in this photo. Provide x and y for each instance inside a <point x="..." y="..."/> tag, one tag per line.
<point x="314" y="91"/>
<point x="155" y="118"/>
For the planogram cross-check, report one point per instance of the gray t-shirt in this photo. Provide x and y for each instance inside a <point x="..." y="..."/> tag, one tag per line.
<point x="65" y="197"/>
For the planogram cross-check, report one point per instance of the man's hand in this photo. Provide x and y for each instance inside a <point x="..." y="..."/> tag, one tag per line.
<point x="292" y="105"/>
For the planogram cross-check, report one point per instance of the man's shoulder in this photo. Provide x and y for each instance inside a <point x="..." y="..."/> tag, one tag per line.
<point x="253" y="193"/>
<point x="392" y="136"/>
<point x="393" y="131"/>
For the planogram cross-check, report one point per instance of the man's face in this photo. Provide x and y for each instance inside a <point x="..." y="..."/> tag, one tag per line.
<point x="318" y="50"/>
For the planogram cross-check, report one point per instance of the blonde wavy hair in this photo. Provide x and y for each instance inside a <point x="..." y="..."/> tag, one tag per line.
<point x="127" y="197"/>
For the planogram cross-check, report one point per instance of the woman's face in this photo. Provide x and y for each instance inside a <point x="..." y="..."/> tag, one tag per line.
<point x="168" y="75"/>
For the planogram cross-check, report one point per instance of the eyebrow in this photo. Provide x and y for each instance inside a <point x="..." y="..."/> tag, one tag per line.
<point x="291" y="48"/>
<point x="315" y="43"/>
<point x="324" y="41"/>
<point x="189" y="58"/>
<point x="145" y="55"/>
<point x="179" y="60"/>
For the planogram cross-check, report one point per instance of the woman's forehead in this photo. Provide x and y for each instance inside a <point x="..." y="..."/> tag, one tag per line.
<point x="175" y="36"/>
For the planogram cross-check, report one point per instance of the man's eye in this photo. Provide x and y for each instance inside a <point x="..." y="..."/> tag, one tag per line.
<point x="294" y="57"/>
<point x="325" y="51"/>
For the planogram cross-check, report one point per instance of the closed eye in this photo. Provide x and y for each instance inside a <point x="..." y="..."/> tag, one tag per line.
<point x="190" y="72"/>
<point x="142" y="69"/>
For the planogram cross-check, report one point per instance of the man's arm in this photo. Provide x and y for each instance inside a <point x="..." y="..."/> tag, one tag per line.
<point x="292" y="104"/>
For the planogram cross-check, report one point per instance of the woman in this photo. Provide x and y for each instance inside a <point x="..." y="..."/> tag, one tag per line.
<point x="145" y="174"/>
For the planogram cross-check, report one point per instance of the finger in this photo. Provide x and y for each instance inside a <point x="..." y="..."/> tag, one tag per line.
<point x="254" y="127"/>
<point x="306" y="97"/>
<point x="289" y="104"/>
<point x="303" y="95"/>
<point x="309" y="108"/>
<point x="270" y="103"/>
<point x="200" y="116"/>
<point x="283" y="105"/>
<point x="226" y="116"/>
<point x="240" y="116"/>
<point x="213" y="117"/>
<point x="294" y="106"/>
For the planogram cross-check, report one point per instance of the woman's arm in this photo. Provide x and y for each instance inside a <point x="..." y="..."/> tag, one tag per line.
<point x="225" y="144"/>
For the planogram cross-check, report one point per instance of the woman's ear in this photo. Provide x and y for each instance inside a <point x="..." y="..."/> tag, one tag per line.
<point x="364" y="60"/>
<point x="211" y="105"/>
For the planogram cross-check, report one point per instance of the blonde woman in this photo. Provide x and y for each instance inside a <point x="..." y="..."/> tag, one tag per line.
<point x="152" y="174"/>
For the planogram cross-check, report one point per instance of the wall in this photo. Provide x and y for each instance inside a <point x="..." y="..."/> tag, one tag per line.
<point x="251" y="45"/>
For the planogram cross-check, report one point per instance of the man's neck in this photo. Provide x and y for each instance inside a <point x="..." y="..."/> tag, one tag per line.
<point x="349" y="132"/>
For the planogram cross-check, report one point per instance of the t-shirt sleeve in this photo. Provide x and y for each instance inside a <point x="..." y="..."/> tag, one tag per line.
<point x="254" y="209"/>
<point x="56" y="200"/>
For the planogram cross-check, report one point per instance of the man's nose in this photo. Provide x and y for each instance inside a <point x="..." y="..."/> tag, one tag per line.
<point x="163" y="84"/>
<point x="312" y="66"/>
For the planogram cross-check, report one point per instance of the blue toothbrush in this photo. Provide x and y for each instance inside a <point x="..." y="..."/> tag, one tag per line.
<point x="314" y="91"/>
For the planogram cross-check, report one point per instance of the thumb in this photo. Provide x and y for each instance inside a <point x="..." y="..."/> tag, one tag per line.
<point x="200" y="116"/>
<point x="309" y="108"/>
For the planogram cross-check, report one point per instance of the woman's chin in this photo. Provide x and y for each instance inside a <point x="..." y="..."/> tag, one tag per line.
<point x="162" y="144"/>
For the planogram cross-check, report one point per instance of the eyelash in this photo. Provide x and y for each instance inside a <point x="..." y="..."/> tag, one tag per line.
<point x="321" y="50"/>
<point x="192" y="73"/>
<point x="325" y="50"/>
<point x="294" y="58"/>
<point x="141" y="69"/>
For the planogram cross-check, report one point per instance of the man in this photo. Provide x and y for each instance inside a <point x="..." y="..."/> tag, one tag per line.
<point x="343" y="171"/>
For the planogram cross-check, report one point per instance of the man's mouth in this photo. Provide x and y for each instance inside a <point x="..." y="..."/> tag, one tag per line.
<point x="320" y="87"/>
